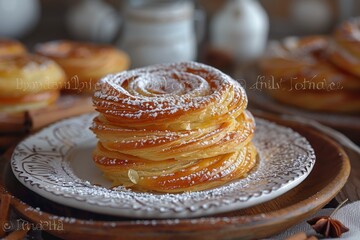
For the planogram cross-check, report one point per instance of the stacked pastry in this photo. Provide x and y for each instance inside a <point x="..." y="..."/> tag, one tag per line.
<point x="9" y="47"/>
<point x="26" y="81"/>
<point x="172" y="128"/>
<point x="84" y="63"/>
<point x="316" y="72"/>
<point x="345" y="51"/>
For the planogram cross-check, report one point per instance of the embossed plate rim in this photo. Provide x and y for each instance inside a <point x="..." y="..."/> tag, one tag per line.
<point x="208" y="203"/>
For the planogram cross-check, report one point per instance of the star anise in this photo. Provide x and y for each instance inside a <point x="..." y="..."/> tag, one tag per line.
<point x="328" y="226"/>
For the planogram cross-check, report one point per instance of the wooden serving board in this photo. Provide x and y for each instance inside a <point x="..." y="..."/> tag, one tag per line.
<point x="329" y="175"/>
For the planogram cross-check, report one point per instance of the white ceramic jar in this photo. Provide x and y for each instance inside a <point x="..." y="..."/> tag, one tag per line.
<point x="311" y="16"/>
<point x="93" y="20"/>
<point x="159" y="32"/>
<point x="18" y="17"/>
<point x="241" y="29"/>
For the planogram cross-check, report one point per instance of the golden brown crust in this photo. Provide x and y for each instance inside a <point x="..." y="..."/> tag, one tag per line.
<point x="84" y="63"/>
<point x="11" y="47"/>
<point x="28" y="81"/>
<point x="306" y="78"/>
<point x="173" y="128"/>
<point x="345" y="50"/>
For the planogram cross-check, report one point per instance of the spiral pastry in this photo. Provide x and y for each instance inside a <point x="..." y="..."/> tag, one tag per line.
<point x="298" y="72"/>
<point x="84" y="63"/>
<point x="173" y="128"/>
<point x="10" y="47"/>
<point x="345" y="50"/>
<point x="28" y="82"/>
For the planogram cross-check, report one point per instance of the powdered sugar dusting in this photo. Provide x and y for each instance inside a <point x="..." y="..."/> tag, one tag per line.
<point x="161" y="90"/>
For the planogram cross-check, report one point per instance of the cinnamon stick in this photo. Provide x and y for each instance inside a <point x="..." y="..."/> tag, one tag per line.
<point x="67" y="106"/>
<point x="18" y="234"/>
<point x="13" y="123"/>
<point x="4" y="213"/>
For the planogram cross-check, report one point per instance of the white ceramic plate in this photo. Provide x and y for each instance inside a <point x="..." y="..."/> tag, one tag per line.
<point x="56" y="163"/>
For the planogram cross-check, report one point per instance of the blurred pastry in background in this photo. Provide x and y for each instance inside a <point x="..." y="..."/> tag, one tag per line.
<point x="298" y="72"/>
<point x="84" y="63"/>
<point x="28" y="82"/>
<point x="345" y="50"/>
<point x="11" y="47"/>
